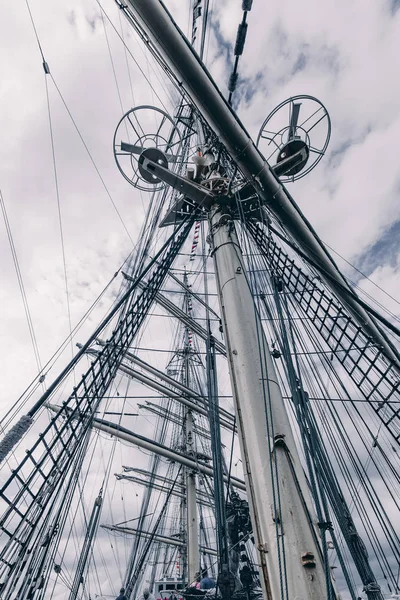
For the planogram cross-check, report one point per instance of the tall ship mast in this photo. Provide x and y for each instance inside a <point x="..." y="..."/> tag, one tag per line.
<point x="224" y="421"/>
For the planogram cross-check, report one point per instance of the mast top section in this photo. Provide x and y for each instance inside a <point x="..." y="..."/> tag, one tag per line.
<point x="159" y="28"/>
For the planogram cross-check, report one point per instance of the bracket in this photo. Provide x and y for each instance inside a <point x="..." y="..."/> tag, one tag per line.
<point x="195" y="192"/>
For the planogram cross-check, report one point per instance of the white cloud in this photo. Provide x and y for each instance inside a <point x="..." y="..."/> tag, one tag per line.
<point x="347" y="57"/>
<point x="348" y="52"/>
<point x="387" y="277"/>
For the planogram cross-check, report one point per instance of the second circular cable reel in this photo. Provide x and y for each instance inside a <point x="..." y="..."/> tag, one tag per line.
<point x="295" y="135"/>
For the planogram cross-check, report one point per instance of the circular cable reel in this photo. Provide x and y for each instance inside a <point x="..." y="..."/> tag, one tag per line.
<point x="149" y="130"/>
<point x="295" y="136"/>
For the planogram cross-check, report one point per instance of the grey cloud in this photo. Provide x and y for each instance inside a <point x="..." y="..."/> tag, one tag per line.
<point x="348" y="207"/>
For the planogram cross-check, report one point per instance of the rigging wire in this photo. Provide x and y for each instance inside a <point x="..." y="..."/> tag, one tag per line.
<point x="314" y="368"/>
<point x="72" y="532"/>
<point x="47" y="72"/>
<point x="317" y="344"/>
<point x="331" y="371"/>
<point x="108" y="467"/>
<point x="21" y="286"/>
<point x="131" y="54"/>
<point x="375" y="301"/>
<point x="89" y="462"/>
<point x="343" y="287"/>
<point x="362" y="274"/>
<point x="92" y="160"/>
<point x="158" y="273"/>
<point x="208" y="33"/>
<point x="57" y="513"/>
<point x="350" y="331"/>
<point x="35" y="31"/>
<point x="181" y="371"/>
<point x="24" y="397"/>
<point x="112" y="62"/>
<point x="204" y="29"/>
<point x="228" y="488"/>
<point x="106" y="321"/>
<point x="60" y="222"/>
<point x="126" y="59"/>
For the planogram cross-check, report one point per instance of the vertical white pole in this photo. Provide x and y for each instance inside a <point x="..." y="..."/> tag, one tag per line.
<point x="191" y="503"/>
<point x="192" y="526"/>
<point x="291" y="565"/>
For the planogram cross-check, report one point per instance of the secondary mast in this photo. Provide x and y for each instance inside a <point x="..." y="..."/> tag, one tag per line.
<point x="192" y="525"/>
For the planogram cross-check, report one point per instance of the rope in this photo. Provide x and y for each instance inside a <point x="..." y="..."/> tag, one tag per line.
<point x="111" y="60"/>
<point x="126" y="59"/>
<point x="92" y="159"/>
<point x="362" y="274"/>
<point x="59" y="211"/>
<point x="32" y="387"/>
<point x="123" y="8"/>
<point x="314" y="368"/>
<point x="21" y="285"/>
<point x="14" y="436"/>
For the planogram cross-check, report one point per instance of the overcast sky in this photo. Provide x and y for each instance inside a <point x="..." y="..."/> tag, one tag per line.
<point x="345" y="52"/>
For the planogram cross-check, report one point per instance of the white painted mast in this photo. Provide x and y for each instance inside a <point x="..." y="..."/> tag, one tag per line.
<point x="193" y="553"/>
<point x="192" y="525"/>
<point x="289" y="557"/>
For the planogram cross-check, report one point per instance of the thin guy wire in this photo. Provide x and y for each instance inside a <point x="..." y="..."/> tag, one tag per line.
<point x="21" y="284"/>
<point x="60" y="223"/>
